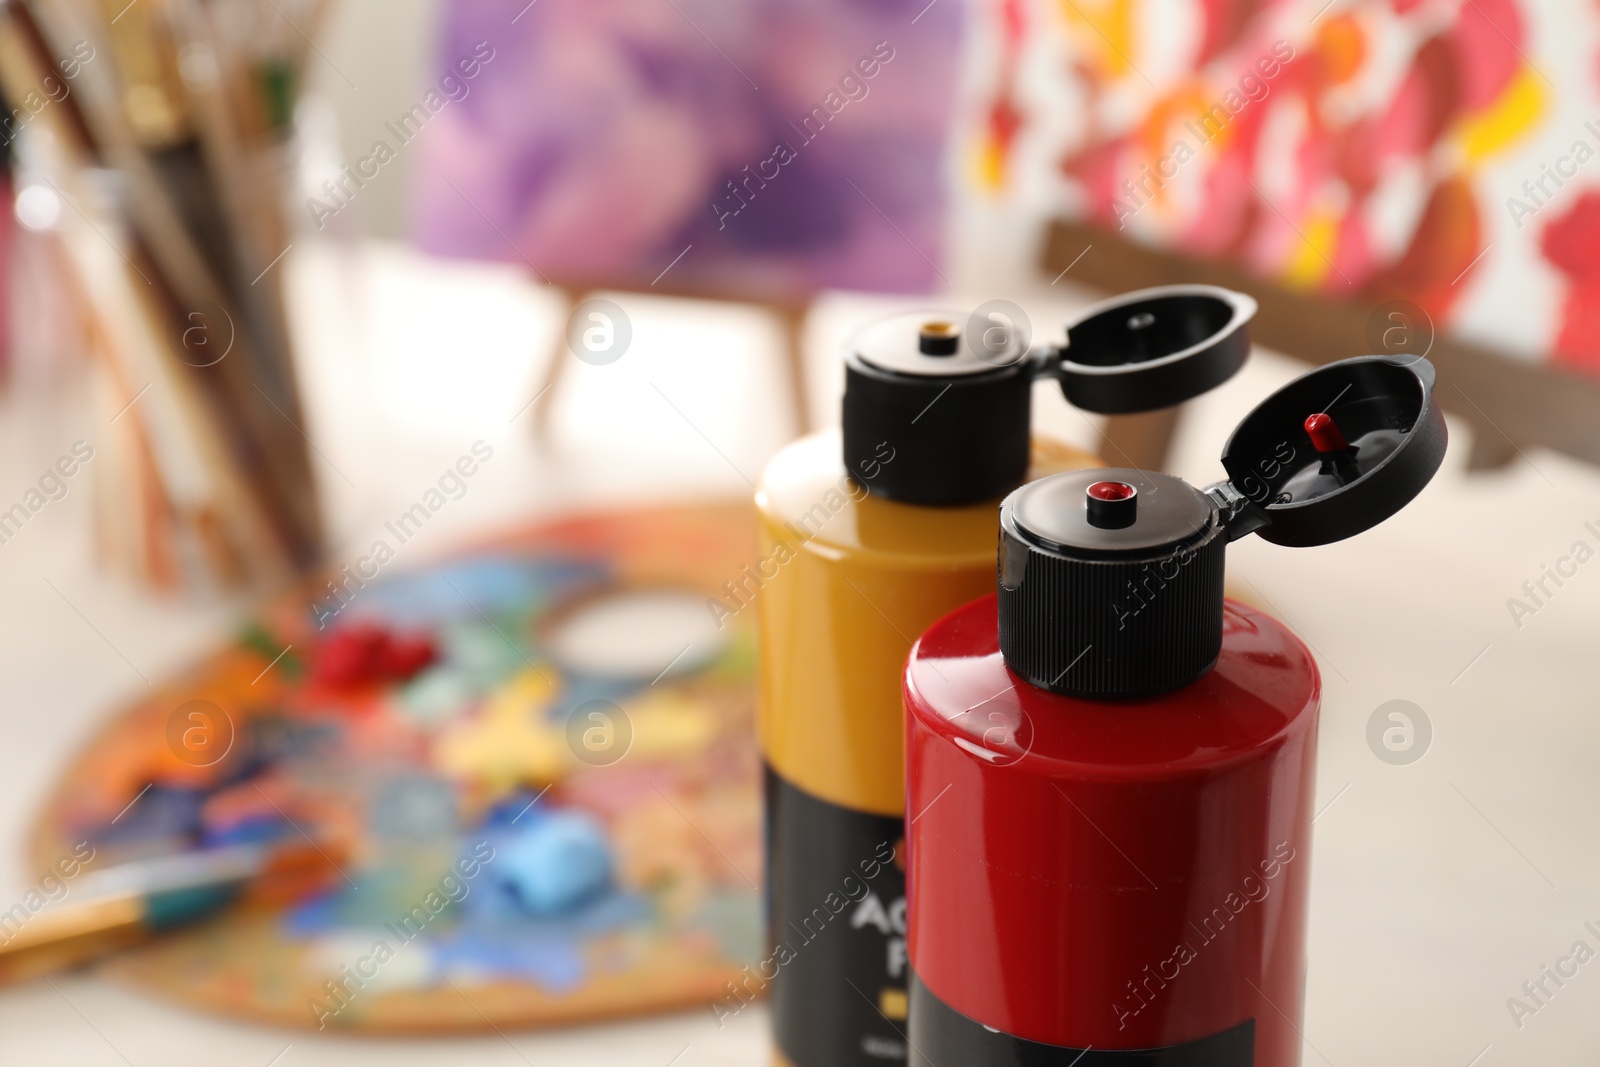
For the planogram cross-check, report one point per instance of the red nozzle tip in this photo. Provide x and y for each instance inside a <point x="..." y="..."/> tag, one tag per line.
<point x="1325" y="434"/>
<point x="1111" y="505"/>
<point x="1111" y="490"/>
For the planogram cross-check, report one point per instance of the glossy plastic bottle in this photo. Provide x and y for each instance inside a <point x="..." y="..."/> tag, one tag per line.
<point x="1110" y="768"/>
<point x="868" y="535"/>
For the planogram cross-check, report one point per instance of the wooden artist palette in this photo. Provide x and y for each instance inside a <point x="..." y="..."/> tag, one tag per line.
<point x="539" y="818"/>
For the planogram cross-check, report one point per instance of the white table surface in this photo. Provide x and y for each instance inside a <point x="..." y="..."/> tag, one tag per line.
<point x="1438" y="888"/>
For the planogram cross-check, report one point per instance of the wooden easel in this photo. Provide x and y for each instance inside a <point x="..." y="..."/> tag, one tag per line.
<point x="791" y="316"/>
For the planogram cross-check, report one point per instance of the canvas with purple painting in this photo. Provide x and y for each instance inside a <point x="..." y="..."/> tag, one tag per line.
<point x="761" y="150"/>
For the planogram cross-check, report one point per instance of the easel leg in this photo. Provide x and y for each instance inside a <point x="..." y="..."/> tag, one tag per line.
<point x="792" y="321"/>
<point x="551" y="378"/>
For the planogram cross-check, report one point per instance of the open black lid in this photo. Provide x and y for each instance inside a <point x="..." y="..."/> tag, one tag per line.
<point x="1334" y="452"/>
<point x="1155" y="348"/>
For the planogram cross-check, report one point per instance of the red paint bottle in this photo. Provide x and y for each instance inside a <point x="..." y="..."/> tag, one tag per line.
<point x="1110" y="767"/>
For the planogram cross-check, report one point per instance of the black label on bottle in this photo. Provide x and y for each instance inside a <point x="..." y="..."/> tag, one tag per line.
<point x="836" y="909"/>
<point x="941" y="1035"/>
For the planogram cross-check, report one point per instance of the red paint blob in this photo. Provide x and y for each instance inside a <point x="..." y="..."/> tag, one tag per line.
<point x="364" y="652"/>
<point x="1111" y="490"/>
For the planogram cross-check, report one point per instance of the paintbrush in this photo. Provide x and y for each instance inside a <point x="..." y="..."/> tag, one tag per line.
<point x="130" y="903"/>
<point x="198" y="187"/>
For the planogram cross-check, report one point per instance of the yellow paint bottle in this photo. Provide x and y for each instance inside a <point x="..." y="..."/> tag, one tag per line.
<point x="869" y="534"/>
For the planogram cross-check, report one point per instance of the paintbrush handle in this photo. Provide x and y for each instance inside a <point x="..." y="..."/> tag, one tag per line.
<point x="59" y="938"/>
<point x="135" y="901"/>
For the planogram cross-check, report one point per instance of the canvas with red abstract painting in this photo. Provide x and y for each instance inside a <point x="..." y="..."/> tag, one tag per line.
<point x="1433" y="150"/>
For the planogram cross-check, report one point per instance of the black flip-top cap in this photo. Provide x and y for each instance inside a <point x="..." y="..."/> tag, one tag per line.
<point x="929" y="419"/>
<point x="1111" y="580"/>
<point x="1110" y="583"/>
<point x="1155" y="347"/>
<point x="1337" y="450"/>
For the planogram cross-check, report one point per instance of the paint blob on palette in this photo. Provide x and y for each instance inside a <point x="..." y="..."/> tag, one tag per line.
<point x="533" y="766"/>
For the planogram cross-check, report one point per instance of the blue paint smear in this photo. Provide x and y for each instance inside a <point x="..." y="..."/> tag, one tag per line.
<point x="554" y="866"/>
<point x="461" y="589"/>
<point x="495" y="942"/>
<point x="551" y="958"/>
<point x="556" y="966"/>
<point x="253" y="829"/>
<point x="311" y="917"/>
<point x="546" y="952"/>
<point x="163" y="813"/>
